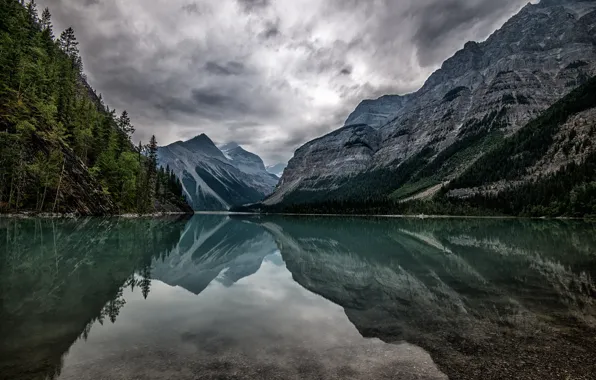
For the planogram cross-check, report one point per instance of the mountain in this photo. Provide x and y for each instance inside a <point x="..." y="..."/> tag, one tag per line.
<point x="375" y="112"/>
<point x="252" y="165"/>
<point x="404" y="148"/>
<point x="214" y="179"/>
<point x="277" y="169"/>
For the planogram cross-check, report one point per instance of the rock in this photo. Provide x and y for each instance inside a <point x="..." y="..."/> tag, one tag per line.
<point x="214" y="179"/>
<point x="536" y="58"/>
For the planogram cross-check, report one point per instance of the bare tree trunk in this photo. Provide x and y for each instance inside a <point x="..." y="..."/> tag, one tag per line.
<point x="2" y="188"/>
<point x="11" y="190"/>
<point x="45" y="189"/>
<point x="43" y="199"/>
<point x="37" y="198"/>
<point x="19" y="186"/>
<point x="59" y="183"/>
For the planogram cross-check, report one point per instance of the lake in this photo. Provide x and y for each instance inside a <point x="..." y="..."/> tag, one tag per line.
<point x="230" y="297"/>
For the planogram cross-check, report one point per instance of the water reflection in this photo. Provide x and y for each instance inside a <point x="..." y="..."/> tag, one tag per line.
<point x="215" y="248"/>
<point x="249" y="298"/>
<point x="488" y="299"/>
<point x="60" y="277"/>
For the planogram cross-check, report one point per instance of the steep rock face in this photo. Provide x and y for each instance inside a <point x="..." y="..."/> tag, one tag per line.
<point x="376" y="112"/>
<point x="251" y="164"/>
<point x="547" y="168"/>
<point x="344" y="152"/>
<point x="496" y="86"/>
<point x="214" y="180"/>
<point x="79" y="192"/>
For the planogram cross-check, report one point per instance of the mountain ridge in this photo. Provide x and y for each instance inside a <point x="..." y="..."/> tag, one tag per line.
<point x="215" y="179"/>
<point x="483" y="93"/>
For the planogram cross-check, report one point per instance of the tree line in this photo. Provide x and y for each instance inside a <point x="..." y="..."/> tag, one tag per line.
<point x="48" y="111"/>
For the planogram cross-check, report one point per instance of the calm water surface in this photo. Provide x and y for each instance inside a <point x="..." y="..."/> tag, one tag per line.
<point x="215" y="297"/>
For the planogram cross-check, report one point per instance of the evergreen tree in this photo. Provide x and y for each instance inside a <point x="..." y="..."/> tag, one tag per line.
<point x="125" y="125"/>
<point x="32" y="12"/>
<point x="51" y="121"/>
<point x="69" y="44"/>
<point x="151" y="170"/>
<point x="145" y="283"/>
<point x="46" y="22"/>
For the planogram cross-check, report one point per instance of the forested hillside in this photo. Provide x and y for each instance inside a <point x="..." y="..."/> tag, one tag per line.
<point x="62" y="149"/>
<point x="548" y="168"/>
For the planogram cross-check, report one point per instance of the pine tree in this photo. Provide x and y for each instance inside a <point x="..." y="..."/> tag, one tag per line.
<point x="145" y="282"/>
<point x="69" y="44"/>
<point x="46" y="22"/>
<point x="49" y="114"/>
<point x="32" y="11"/>
<point x="125" y="125"/>
<point x="151" y="171"/>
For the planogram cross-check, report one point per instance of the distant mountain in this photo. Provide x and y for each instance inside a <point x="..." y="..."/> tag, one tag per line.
<point x="215" y="179"/>
<point x="252" y="165"/>
<point x="404" y="148"/>
<point x="277" y="169"/>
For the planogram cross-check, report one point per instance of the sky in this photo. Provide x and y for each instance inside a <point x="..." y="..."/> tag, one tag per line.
<point x="268" y="74"/>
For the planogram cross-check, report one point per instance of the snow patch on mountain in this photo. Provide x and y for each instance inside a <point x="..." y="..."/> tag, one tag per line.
<point x="277" y="169"/>
<point x="215" y="179"/>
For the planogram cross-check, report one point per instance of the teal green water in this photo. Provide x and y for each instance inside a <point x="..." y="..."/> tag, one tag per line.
<point x="217" y="297"/>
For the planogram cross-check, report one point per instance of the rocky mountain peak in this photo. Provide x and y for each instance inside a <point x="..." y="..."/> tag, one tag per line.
<point x="204" y="145"/>
<point x="374" y="112"/>
<point x="229" y="146"/>
<point x="487" y="88"/>
<point x="217" y="178"/>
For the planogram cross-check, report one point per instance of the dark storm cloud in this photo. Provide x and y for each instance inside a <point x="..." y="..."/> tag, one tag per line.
<point x="228" y="68"/>
<point x="252" y="5"/>
<point x="271" y="30"/>
<point x="268" y="74"/>
<point x="212" y="98"/>
<point x="191" y="8"/>
<point x="440" y="21"/>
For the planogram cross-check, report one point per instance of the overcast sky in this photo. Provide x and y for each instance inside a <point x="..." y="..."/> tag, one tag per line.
<point x="268" y="74"/>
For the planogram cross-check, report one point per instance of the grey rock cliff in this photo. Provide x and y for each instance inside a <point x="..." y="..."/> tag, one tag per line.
<point x="536" y="58"/>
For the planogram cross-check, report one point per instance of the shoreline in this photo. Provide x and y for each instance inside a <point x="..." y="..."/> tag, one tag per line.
<point x="395" y="216"/>
<point x="26" y="215"/>
<point x="45" y="215"/>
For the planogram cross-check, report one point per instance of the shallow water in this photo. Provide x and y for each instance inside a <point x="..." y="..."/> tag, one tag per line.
<point x="216" y="297"/>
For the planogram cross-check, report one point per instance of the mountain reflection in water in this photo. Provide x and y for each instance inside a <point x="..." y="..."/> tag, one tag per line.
<point x="221" y="297"/>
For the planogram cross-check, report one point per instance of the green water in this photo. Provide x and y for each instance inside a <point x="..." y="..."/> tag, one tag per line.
<point x="214" y="297"/>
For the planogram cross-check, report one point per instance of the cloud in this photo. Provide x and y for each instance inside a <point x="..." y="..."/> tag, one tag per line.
<point x="253" y="5"/>
<point x="270" y="75"/>
<point x="271" y="30"/>
<point x="228" y="68"/>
